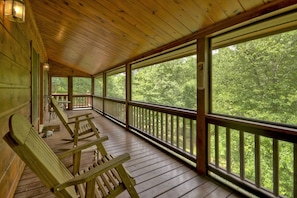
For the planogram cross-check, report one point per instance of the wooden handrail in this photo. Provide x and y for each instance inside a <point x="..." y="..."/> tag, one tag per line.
<point x="191" y="114"/>
<point x="264" y="129"/>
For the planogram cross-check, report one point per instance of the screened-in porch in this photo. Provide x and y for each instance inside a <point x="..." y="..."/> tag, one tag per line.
<point x="201" y="94"/>
<point x="157" y="173"/>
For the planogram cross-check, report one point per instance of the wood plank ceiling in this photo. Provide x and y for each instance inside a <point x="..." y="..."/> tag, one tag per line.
<point x="95" y="35"/>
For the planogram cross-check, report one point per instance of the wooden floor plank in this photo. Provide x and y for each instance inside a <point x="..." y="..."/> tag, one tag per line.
<point x="219" y="192"/>
<point x="154" y="170"/>
<point x="184" y="188"/>
<point x="165" y="186"/>
<point x="160" y="179"/>
<point x="202" y="190"/>
<point x="157" y="174"/>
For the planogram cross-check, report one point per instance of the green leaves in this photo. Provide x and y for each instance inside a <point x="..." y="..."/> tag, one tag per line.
<point x="172" y="83"/>
<point x="256" y="79"/>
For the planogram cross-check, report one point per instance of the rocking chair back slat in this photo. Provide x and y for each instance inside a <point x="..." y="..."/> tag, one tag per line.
<point x="32" y="149"/>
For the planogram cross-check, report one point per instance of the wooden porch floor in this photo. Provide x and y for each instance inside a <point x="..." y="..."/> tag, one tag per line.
<point x="157" y="174"/>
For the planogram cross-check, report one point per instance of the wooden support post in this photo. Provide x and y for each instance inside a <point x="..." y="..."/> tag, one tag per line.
<point x="70" y="92"/>
<point x="202" y="150"/>
<point x="92" y="91"/>
<point x="41" y="94"/>
<point x="104" y="92"/>
<point x="128" y="93"/>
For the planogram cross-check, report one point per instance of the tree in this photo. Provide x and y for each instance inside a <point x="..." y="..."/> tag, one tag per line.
<point x="256" y="80"/>
<point x="171" y="83"/>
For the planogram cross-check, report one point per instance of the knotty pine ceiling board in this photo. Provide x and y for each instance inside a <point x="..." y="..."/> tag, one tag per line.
<point x="95" y="35"/>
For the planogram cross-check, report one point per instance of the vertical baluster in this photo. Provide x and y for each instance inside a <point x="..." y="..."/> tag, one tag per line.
<point x="145" y="120"/>
<point x="150" y="118"/>
<point x="157" y="126"/>
<point x="154" y="123"/>
<point x="184" y="135"/>
<point x="257" y="161"/>
<point x="295" y="171"/>
<point x="138" y="117"/>
<point x="191" y="137"/>
<point x="275" y="167"/>
<point x="133" y="115"/>
<point x="166" y="130"/>
<point x="142" y="119"/>
<point x="162" y="126"/>
<point x="177" y="132"/>
<point x="171" y="129"/>
<point x="228" y="150"/>
<point x="242" y="155"/>
<point x="216" y="146"/>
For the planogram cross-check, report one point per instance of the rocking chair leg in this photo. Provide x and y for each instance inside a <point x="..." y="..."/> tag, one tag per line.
<point x="90" y="189"/>
<point x="127" y="182"/>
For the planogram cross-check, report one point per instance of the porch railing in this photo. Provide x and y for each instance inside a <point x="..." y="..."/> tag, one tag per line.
<point x="78" y="101"/>
<point x="260" y="158"/>
<point x="98" y="103"/>
<point x="62" y="99"/>
<point x="114" y="108"/>
<point x="82" y="101"/>
<point x="172" y="127"/>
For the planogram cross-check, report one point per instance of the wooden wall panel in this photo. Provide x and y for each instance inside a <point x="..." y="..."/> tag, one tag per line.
<point x="15" y="88"/>
<point x="60" y="70"/>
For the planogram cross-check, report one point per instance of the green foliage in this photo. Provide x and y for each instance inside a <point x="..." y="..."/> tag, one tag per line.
<point x="257" y="80"/>
<point x="172" y="83"/>
<point x="82" y="85"/>
<point x="98" y="85"/>
<point x="116" y="86"/>
<point x="59" y="85"/>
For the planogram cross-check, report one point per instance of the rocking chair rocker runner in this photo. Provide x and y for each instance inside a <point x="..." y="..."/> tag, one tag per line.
<point x="106" y="178"/>
<point x="79" y="127"/>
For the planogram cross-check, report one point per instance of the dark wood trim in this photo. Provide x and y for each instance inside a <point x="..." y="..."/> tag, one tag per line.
<point x="128" y="93"/>
<point x="164" y="109"/>
<point x="201" y="128"/>
<point x="41" y="94"/>
<point x="104" y="93"/>
<point x="257" y="128"/>
<point x="70" y="92"/>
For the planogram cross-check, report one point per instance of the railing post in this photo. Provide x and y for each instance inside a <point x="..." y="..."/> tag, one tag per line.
<point x="202" y="150"/>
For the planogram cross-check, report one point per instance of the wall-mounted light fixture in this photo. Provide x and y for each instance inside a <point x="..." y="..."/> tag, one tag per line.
<point x="45" y="66"/>
<point x="14" y="10"/>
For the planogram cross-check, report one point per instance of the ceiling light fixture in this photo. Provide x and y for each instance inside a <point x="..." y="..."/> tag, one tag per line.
<point x="46" y="66"/>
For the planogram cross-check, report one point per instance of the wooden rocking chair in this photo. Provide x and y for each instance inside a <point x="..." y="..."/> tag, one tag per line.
<point x="106" y="178"/>
<point x="79" y="126"/>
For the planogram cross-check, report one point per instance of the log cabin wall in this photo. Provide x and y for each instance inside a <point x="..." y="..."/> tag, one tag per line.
<point x="15" y="87"/>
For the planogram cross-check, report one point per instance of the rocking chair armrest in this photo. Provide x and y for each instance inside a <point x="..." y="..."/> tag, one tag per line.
<point x="80" y="120"/>
<point x="82" y="147"/>
<point x="81" y="115"/>
<point x="94" y="172"/>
